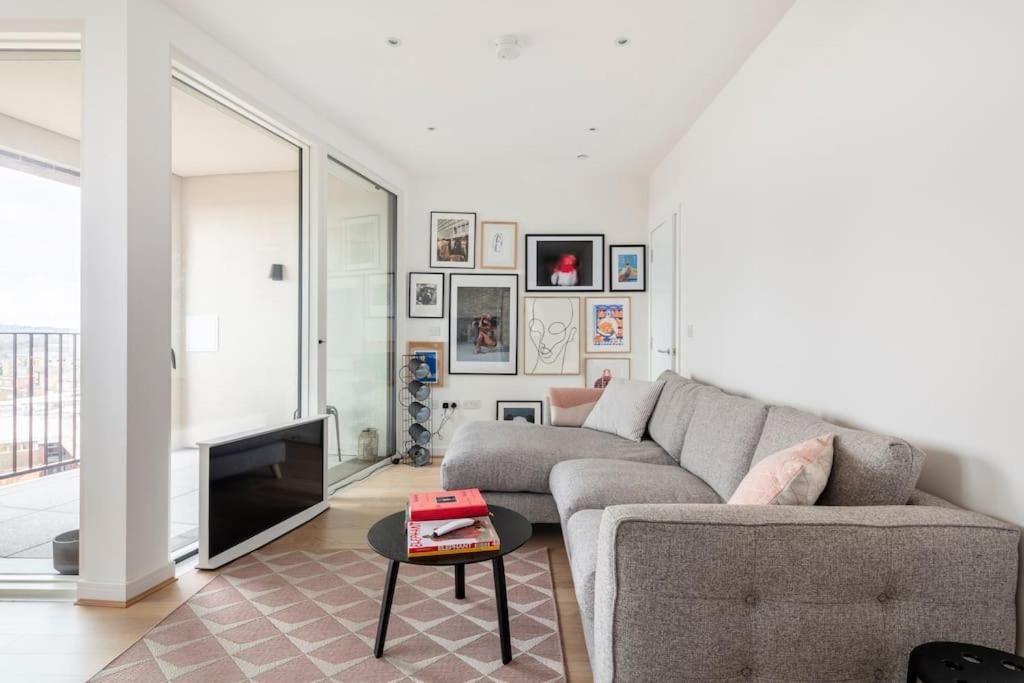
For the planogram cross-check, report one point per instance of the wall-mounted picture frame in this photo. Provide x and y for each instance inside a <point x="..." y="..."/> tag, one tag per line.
<point x="433" y="354"/>
<point x="483" y="324"/>
<point x="627" y="268"/>
<point x="552" y="335"/>
<point x="452" y="239"/>
<point x="608" y="324"/>
<point x="601" y="370"/>
<point x="565" y="263"/>
<point x="426" y="295"/>
<point x="499" y="245"/>
<point x="531" y="412"/>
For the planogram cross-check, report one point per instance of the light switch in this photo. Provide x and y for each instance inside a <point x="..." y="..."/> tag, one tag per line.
<point x="689" y="331"/>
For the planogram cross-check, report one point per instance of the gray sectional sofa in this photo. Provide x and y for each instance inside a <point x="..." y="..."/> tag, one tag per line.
<point x="675" y="586"/>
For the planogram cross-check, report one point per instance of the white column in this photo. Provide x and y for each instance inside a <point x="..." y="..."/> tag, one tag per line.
<point x="125" y="302"/>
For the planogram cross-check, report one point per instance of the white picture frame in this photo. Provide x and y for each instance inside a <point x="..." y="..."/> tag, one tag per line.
<point x="552" y="335"/>
<point x="426" y="295"/>
<point x="609" y="324"/>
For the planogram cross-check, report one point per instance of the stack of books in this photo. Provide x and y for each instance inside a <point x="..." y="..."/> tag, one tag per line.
<point x="428" y="513"/>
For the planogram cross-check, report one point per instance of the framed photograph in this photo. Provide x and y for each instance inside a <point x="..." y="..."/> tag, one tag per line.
<point x="499" y="244"/>
<point x="627" y="268"/>
<point x="433" y="354"/>
<point x="565" y="263"/>
<point x="521" y="411"/>
<point x="608" y="324"/>
<point x="552" y="338"/>
<point x="483" y="324"/>
<point x="603" y="369"/>
<point x="426" y="295"/>
<point x="452" y="239"/>
<point x="362" y="239"/>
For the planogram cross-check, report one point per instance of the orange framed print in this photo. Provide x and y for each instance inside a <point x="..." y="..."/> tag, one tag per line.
<point x="608" y="324"/>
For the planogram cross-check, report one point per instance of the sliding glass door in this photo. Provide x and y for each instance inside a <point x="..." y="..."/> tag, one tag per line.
<point x="360" y="226"/>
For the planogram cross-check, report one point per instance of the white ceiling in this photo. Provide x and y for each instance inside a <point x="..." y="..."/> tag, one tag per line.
<point x="206" y="139"/>
<point x="532" y="112"/>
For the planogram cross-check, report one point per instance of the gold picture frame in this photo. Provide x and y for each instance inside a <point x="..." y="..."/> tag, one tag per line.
<point x="437" y="348"/>
<point x="487" y="259"/>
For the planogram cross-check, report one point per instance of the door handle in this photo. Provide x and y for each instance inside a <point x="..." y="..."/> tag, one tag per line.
<point x="665" y="351"/>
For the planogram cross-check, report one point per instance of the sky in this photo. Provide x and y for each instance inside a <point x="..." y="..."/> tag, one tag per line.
<point x="40" y="251"/>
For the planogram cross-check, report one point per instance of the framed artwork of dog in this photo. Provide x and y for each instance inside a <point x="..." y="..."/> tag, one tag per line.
<point x="483" y="324"/>
<point x="565" y="263"/>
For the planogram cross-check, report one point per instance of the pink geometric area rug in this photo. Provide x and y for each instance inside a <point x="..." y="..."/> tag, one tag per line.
<point x="300" y="616"/>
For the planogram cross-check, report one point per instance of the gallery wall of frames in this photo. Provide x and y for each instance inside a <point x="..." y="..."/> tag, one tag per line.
<point x="503" y="304"/>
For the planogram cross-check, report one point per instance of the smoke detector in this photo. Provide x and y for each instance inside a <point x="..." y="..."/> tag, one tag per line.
<point x="507" y="47"/>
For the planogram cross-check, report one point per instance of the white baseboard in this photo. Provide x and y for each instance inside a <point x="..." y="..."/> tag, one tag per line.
<point x="116" y="592"/>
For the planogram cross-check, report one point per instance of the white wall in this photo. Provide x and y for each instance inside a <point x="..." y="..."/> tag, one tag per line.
<point x="231" y="229"/>
<point x="852" y="219"/>
<point x="540" y="203"/>
<point x="32" y="141"/>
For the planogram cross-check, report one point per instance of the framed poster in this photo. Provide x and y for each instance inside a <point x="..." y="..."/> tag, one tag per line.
<point x="426" y="295"/>
<point x="627" y="268"/>
<point x="552" y="337"/>
<point x="608" y="324"/>
<point x="433" y="354"/>
<point x="521" y="411"/>
<point x="565" y="263"/>
<point x="499" y="244"/>
<point x="603" y="369"/>
<point x="483" y="324"/>
<point x="452" y="239"/>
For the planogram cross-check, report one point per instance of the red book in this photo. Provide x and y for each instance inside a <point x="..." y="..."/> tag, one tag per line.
<point x="446" y="505"/>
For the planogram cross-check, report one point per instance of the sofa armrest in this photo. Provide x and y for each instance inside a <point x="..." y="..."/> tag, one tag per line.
<point x="769" y="593"/>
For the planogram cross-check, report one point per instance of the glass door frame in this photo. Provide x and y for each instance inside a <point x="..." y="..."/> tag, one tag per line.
<point x="319" y="379"/>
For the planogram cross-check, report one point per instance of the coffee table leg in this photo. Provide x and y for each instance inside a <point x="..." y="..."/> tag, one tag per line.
<point x="385" y="609"/>
<point x="460" y="581"/>
<point x="501" y="597"/>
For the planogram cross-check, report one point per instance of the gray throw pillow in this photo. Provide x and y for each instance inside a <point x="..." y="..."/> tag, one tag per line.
<point x="624" y="408"/>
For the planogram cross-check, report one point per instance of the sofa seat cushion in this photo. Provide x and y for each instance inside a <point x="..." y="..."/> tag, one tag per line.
<point x="721" y="438"/>
<point x="510" y="456"/>
<point x="581" y="544"/>
<point x="595" y="484"/>
<point x="867" y="468"/>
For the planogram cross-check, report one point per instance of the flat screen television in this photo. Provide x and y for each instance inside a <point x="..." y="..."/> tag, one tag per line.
<point x="257" y="486"/>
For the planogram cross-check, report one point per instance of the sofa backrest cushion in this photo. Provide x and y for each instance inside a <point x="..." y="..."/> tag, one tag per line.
<point x="867" y="468"/>
<point x="672" y="414"/>
<point x="721" y="438"/>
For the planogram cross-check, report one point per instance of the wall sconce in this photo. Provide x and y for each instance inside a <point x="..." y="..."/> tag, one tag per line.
<point x="277" y="271"/>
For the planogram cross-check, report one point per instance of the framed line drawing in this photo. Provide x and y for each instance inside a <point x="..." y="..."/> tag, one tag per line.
<point x="552" y="335"/>
<point x="499" y="245"/>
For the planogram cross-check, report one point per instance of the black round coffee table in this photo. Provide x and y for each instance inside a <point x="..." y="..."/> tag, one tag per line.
<point x="387" y="538"/>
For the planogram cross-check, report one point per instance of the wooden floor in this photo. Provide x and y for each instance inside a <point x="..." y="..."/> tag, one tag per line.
<point x="50" y="642"/>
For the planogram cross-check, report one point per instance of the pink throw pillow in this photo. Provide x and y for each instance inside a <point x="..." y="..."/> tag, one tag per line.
<point x="793" y="476"/>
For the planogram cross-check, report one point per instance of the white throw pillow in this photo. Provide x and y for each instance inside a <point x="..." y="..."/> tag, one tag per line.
<point x="624" y="408"/>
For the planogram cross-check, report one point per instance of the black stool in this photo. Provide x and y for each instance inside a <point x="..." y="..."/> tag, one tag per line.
<point x="943" y="662"/>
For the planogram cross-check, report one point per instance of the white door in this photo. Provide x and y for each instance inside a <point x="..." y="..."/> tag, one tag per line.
<point x="661" y="262"/>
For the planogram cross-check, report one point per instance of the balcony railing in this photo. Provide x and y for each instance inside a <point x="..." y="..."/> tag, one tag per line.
<point x="39" y="403"/>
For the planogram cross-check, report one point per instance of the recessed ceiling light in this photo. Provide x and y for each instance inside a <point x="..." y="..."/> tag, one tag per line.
<point x="592" y="129"/>
<point x="622" y="41"/>
<point x="394" y="42"/>
<point x="582" y="157"/>
<point x="431" y="128"/>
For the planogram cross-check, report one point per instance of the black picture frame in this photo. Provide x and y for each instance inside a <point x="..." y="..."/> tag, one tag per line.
<point x="512" y="364"/>
<point x="597" y="256"/>
<point x="410" y="295"/>
<point x="538" y="411"/>
<point x="613" y="280"/>
<point x="470" y="248"/>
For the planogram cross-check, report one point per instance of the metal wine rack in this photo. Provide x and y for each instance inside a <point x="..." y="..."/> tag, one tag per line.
<point x="413" y="452"/>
